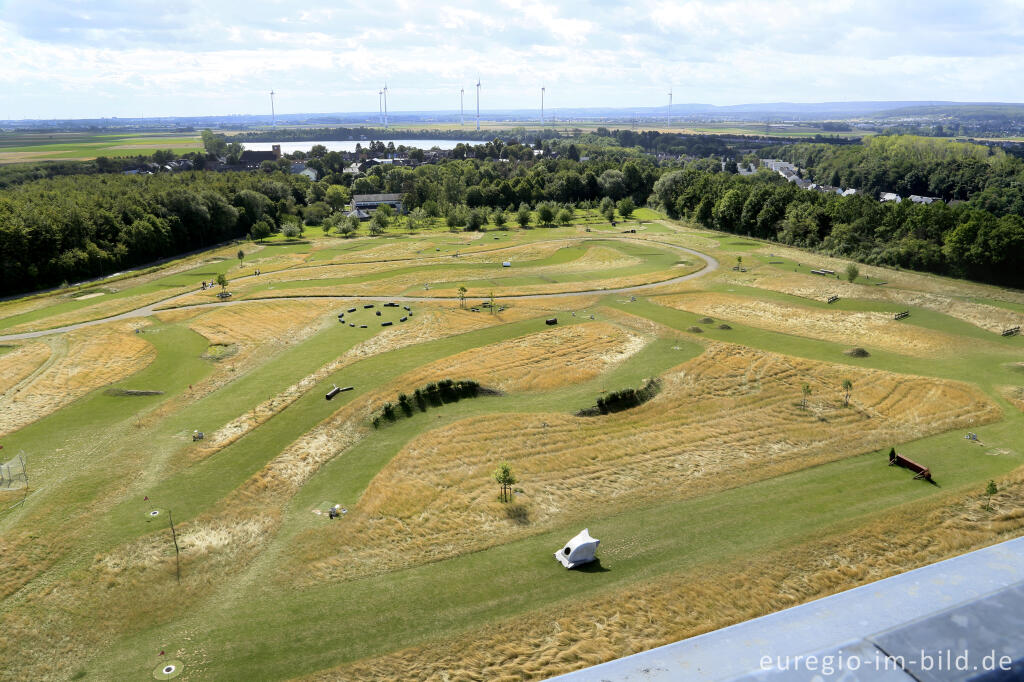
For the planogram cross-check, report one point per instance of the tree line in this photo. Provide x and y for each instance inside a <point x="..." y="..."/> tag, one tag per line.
<point x="975" y="239"/>
<point x="69" y="228"/>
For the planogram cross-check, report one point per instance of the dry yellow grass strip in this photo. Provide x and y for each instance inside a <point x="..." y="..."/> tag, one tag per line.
<point x="1015" y="394"/>
<point x="18" y="364"/>
<point x="433" y="322"/>
<point x="573" y="634"/>
<point x="542" y="361"/>
<point x="871" y="329"/>
<point x="902" y="279"/>
<point x="95" y="357"/>
<point x="728" y="417"/>
<point x="258" y="322"/>
<point x="989" y="317"/>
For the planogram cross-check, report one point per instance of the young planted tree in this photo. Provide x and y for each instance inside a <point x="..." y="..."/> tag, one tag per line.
<point x="462" y="296"/>
<point x="626" y="207"/>
<point x="261" y="230"/>
<point x="990" y="490"/>
<point x="739" y="261"/>
<point x="499" y="219"/>
<point x="847" y="390"/>
<point x="545" y="214"/>
<point x="807" y="394"/>
<point x="523" y="215"/>
<point x="222" y="280"/>
<point x="852" y="273"/>
<point x="564" y="216"/>
<point x="506" y="479"/>
<point x="379" y="222"/>
<point x="241" y="257"/>
<point x="492" y="303"/>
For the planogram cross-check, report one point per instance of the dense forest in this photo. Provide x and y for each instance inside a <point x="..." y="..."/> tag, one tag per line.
<point x="914" y="165"/>
<point x="69" y="228"/>
<point x="966" y="240"/>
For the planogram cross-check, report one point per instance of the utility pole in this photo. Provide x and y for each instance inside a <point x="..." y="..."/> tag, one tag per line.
<point x="177" y="552"/>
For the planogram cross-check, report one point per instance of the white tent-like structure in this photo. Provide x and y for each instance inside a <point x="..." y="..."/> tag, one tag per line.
<point x="580" y="550"/>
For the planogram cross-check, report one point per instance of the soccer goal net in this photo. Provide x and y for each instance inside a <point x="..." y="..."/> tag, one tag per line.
<point x="13" y="474"/>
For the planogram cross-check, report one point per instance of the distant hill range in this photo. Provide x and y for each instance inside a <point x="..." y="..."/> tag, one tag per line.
<point x="769" y="111"/>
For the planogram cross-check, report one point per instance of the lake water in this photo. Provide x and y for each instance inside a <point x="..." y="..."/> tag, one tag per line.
<point x="350" y="145"/>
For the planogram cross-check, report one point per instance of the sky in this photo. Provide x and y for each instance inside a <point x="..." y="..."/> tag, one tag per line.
<point x="127" y="58"/>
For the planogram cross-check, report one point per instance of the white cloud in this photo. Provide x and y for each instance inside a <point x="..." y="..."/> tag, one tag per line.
<point x="71" y="59"/>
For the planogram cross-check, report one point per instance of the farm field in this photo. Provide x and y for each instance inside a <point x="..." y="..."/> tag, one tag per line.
<point x="22" y="147"/>
<point x="753" y="476"/>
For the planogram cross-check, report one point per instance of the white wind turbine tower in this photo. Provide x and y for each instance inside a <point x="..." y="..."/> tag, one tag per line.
<point x="542" y="106"/>
<point x="273" y="116"/>
<point x="478" y="102"/>
<point x="670" y="107"/>
<point x="385" y="105"/>
<point x="462" y="110"/>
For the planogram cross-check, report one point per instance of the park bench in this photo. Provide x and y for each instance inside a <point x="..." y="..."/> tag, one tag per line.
<point x="224" y="294"/>
<point x="832" y="299"/>
<point x="900" y="316"/>
<point x="819" y="272"/>
<point x="1012" y="331"/>
<point x="920" y="471"/>
<point x="551" y="320"/>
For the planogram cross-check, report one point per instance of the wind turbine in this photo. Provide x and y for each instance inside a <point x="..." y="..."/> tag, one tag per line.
<point x="462" y="111"/>
<point x="380" y="107"/>
<point x="478" y="102"/>
<point x="385" y="105"/>
<point x="542" y="106"/>
<point x="670" y="107"/>
<point x="273" y="116"/>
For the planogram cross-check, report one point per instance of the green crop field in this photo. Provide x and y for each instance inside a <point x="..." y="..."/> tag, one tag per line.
<point x="23" y="147"/>
<point x="751" y="481"/>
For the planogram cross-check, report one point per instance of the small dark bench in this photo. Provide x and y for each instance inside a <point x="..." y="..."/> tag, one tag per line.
<point x="920" y="471"/>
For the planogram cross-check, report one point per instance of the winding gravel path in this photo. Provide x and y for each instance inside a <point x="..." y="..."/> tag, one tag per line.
<point x="146" y="311"/>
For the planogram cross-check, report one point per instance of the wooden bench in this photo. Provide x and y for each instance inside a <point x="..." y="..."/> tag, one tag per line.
<point x="1012" y="331"/>
<point x="920" y="471"/>
<point x="832" y="299"/>
<point x="900" y="316"/>
<point x="551" y="320"/>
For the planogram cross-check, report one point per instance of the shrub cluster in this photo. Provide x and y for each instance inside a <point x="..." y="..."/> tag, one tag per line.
<point x="433" y="394"/>
<point x="627" y="398"/>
